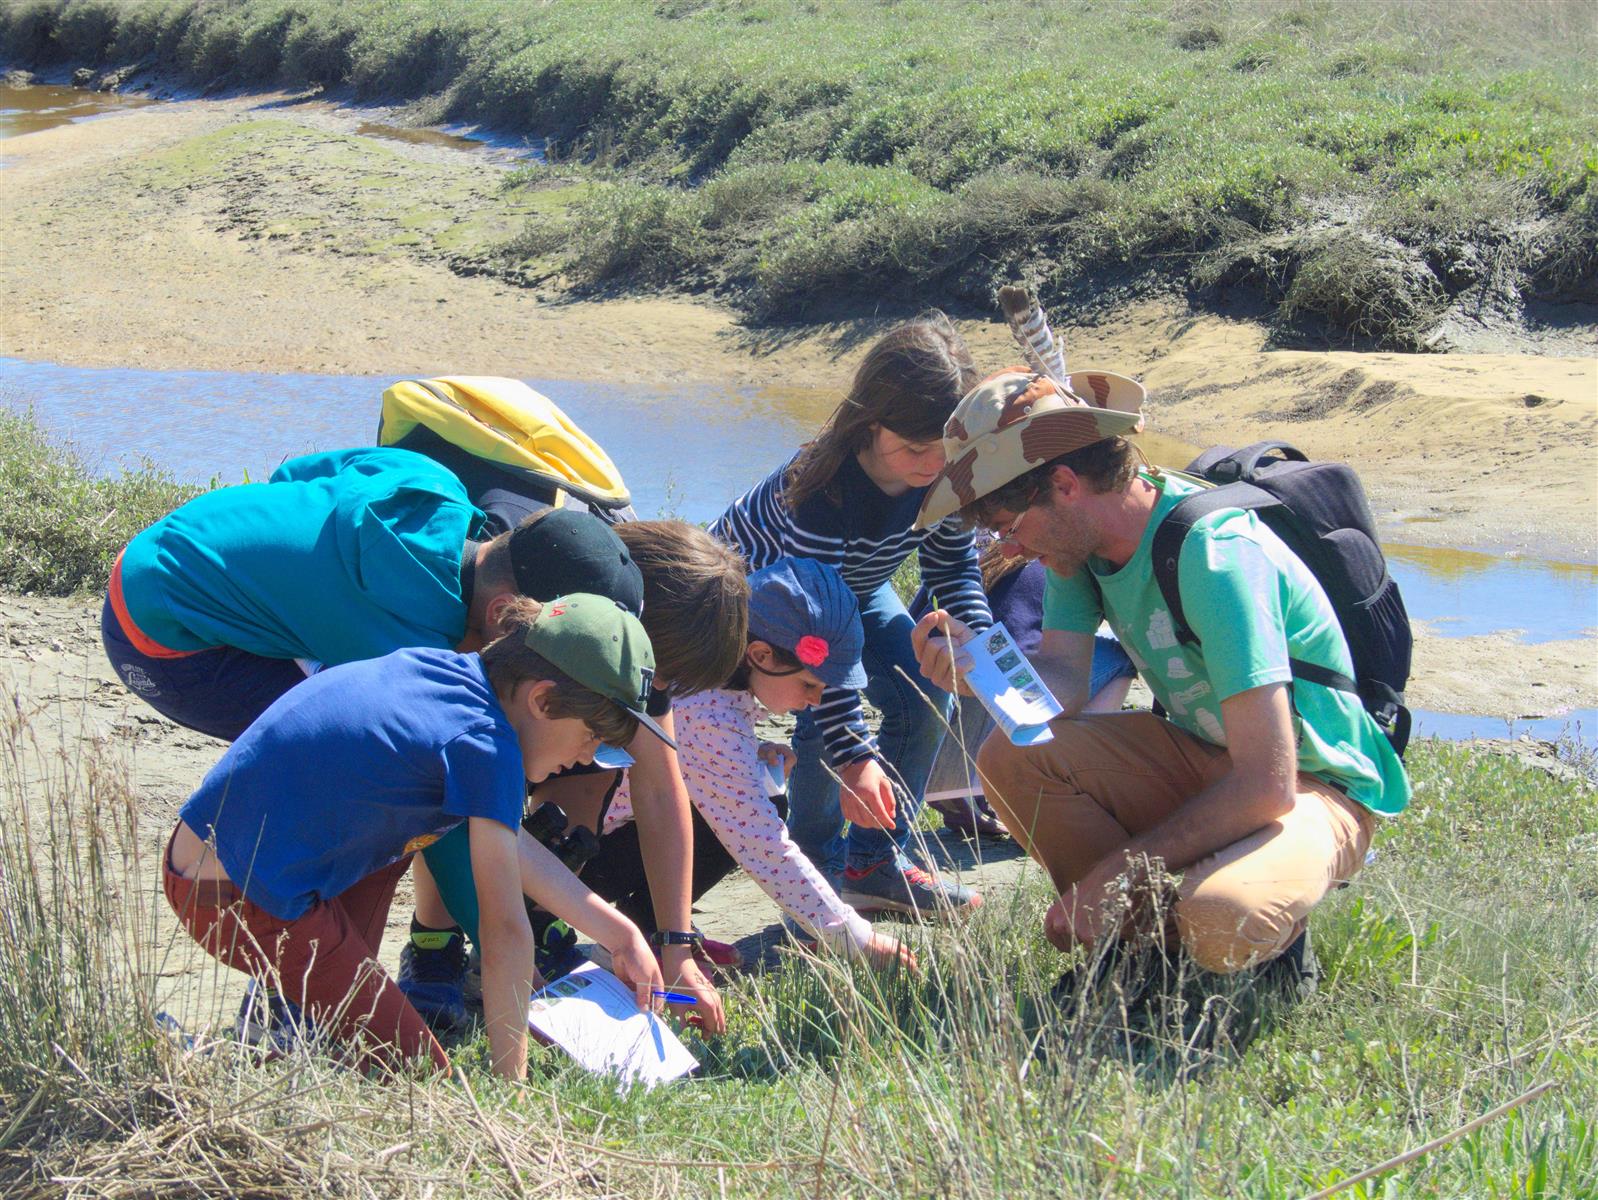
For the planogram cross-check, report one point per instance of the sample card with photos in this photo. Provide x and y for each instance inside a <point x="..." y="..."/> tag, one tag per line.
<point x="1001" y="677"/>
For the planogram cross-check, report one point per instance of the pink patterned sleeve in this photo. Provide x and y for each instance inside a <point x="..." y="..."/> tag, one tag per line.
<point x="720" y="765"/>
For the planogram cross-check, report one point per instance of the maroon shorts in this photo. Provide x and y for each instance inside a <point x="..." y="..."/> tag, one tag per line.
<point x="325" y="960"/>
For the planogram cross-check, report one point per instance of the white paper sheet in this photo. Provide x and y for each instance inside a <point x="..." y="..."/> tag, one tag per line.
<point x="773" y="779"/>
<point x="592" y="1016"/>
<point x="1009" y="687"/>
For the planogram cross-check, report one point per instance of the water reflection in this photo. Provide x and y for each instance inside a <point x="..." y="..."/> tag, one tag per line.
<point x="1461" y="593"/>
<point x="1575" y="725"/>
<point x="683" y="454"/>
<point x="35" y="107"/>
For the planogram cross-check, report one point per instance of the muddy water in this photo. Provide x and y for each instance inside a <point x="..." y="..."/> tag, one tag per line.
<point x="467" y="138"/>
<point x="37" y="107"/>
<point x="30" y="108"/>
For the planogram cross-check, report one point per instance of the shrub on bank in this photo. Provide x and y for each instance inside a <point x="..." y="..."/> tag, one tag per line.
<point x="61" y="526"/>
<point x="1176" y="129"/>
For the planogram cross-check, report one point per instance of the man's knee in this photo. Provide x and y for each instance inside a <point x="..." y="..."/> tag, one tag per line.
<point x="1229" y="933"/>
<point x="997" y="761"/>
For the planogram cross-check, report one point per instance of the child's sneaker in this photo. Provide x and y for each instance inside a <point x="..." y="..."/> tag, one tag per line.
<point x="432" y="976"/>
<point x="898" y="885"/>
<point x="270" y="1022"/>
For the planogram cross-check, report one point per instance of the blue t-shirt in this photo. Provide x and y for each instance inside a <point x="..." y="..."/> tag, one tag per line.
<point x="355" y="768"/>
<point x="341" y="556"/>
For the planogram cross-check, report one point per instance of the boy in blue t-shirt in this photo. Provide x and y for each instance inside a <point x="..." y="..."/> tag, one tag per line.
<point x="284" y="861"/>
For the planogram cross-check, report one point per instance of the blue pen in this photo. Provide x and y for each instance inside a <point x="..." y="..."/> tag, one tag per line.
<point x="675" y="997"/>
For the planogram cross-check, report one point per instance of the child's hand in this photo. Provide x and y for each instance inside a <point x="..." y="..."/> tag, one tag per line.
<point x="866" y="796"/>
<point x="634" y="964"/>
<point x="772" y="753"/>
<point x="883" y="951"/>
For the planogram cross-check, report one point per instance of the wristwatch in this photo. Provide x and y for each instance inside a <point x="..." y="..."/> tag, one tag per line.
<point x="676" y="937"/>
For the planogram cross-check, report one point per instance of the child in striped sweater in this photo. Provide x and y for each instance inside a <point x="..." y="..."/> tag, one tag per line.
<point x="849" y="499"/>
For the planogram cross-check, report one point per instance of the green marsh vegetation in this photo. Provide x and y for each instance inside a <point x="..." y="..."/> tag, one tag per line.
<point x="1358" y="168"/>
<point x="61" y="523"/>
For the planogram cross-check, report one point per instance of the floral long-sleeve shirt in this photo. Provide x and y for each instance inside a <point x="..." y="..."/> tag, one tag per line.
<point x="718" y="752"/>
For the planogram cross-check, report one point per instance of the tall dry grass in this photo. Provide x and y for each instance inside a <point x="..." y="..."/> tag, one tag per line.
<point x="1459" y="971"/>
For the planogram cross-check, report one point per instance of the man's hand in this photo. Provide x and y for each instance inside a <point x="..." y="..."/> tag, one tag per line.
<point x="935" y="640"/>
<point x="1099" y="904"/>
<point x="683" y="975"/>
<point x="866" y="796"/>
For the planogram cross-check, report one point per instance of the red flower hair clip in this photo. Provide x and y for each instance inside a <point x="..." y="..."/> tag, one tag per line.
<point x="811" y="650"/>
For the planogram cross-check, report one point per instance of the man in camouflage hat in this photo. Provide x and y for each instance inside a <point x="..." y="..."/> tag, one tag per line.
<point x="1259" y="790"/>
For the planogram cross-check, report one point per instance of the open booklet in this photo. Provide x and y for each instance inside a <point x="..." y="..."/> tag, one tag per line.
<point x="1000" y="676"/>
<point x="592" y="1016"/>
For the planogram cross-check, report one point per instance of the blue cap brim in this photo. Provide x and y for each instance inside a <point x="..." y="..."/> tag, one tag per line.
<point x="851" y="676"/>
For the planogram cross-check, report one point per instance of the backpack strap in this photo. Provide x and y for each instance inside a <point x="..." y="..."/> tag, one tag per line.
<point x="1166" y="552"/>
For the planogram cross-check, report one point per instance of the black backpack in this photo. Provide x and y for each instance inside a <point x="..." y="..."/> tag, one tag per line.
<point x="1319" y="510"/>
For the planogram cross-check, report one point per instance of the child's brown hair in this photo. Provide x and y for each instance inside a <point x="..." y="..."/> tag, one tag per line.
<point x="696" y="602"/>
<point x="910" y="381"/>
<point x="509" y="661"/>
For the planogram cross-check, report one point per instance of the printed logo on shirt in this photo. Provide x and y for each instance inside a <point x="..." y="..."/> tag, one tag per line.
<point x="1162" y="631"/>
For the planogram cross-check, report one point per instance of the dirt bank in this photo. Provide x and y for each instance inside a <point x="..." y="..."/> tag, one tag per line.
<point x="263" y="234"/>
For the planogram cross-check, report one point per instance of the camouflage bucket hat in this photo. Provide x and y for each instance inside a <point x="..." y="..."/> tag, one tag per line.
<point x="1015" y="420"/>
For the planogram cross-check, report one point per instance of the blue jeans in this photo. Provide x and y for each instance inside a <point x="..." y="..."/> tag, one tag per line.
<point x="913" y="715"/>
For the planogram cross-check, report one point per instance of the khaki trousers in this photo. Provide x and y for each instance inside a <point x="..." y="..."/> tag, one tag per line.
<point x="1109" y="777"/>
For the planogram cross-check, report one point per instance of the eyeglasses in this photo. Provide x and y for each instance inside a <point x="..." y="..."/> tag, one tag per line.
<point x="1007" y="538"/>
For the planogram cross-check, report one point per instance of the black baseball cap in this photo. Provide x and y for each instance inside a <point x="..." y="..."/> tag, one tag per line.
<point x="564" y="551"/>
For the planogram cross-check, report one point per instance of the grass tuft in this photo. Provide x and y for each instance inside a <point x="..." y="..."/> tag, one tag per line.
<point x="61" y="526"/>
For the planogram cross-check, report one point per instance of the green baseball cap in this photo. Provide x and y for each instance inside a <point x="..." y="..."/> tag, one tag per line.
<point x="603" y="647"/>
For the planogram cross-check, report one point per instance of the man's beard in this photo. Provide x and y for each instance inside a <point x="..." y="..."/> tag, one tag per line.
<point x="1071" y="544"/>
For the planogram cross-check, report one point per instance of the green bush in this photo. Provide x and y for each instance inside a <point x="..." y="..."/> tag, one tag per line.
<point x="61" y="526"/>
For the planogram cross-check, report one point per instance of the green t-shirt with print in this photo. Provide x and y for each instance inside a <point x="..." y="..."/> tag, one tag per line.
<point x="1253" y="605"/>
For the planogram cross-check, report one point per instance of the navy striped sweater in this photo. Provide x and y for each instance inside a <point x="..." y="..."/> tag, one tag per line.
<point x="866" y="537"/>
